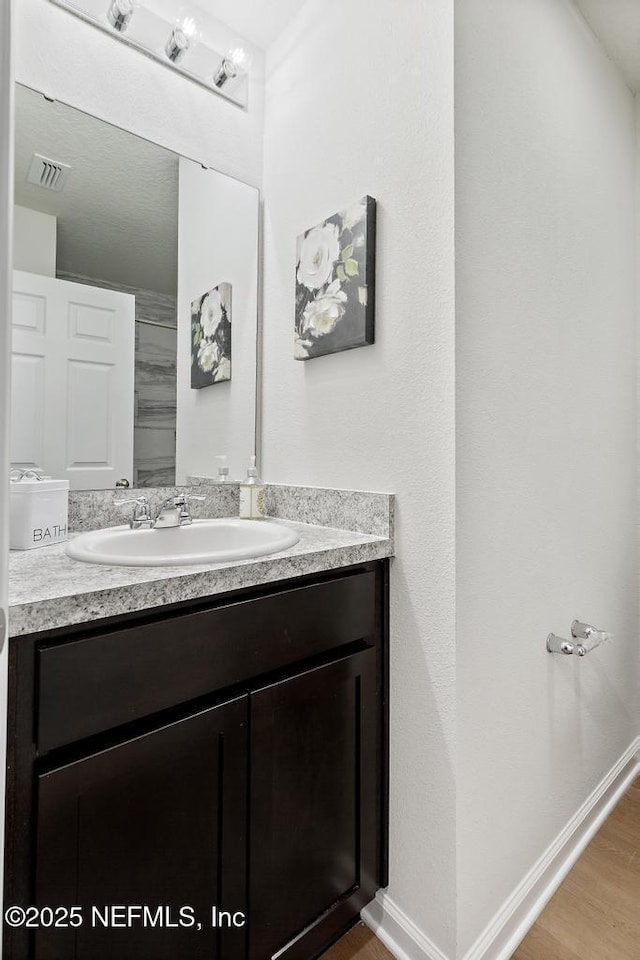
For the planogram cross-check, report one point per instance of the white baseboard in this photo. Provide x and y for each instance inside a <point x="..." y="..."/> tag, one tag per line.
<point x="398" y="933"/>
<point x="516" y="916"/>
<point x="519" y="912"/>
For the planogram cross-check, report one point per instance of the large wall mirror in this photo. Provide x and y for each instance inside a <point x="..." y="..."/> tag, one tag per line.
<point x="135" y="306"/>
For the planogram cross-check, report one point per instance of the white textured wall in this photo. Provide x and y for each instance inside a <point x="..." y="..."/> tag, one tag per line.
<point x="34" y="241"/>
<point x="82" y="66"/>
<point x="546" y="432"/>
<point x="217" y="243"/>
<point x="359" y="100"/>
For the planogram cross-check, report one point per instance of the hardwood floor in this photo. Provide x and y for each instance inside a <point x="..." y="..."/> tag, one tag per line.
<point x="358" y="944"/>
<point x="595" y="914"/>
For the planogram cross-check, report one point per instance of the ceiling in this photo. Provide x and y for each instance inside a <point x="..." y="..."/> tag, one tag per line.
<point x="617" y="25"/>
<point x="118" y="214"/>
<point x="260" y="21"/>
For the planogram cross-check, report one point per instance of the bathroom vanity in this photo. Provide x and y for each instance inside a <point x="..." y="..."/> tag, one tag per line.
<point x="222" y="758"/>
<point x="208" y="742"/>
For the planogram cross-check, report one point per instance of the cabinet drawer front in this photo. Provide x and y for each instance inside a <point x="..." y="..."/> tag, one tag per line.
<point x="101" y="682"/>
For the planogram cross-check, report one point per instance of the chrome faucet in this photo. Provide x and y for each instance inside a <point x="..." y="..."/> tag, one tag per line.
<point x="141" y="512"/>
<point x="174" y="512"/>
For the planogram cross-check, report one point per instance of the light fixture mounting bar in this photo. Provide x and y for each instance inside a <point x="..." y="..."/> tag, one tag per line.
<point x="149" y="34"/>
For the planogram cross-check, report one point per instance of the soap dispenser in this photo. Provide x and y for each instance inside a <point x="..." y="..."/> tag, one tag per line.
<point x="252" y="491"/>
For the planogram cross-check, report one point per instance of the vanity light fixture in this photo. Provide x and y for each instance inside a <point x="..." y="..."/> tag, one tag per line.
<point x="185" y="34"/>
<point x="236" y="62"/>
<point x="185" y="43"/>
<point x="120" y="13"/>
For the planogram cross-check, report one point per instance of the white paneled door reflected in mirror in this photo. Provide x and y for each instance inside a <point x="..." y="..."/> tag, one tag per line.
<point x="119" y="248"/>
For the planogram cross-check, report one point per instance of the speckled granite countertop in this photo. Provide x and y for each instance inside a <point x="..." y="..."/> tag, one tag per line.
<point x="47" y="589"/>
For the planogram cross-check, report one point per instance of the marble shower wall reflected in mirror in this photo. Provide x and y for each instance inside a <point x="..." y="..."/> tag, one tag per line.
<point x="154" y="430"/>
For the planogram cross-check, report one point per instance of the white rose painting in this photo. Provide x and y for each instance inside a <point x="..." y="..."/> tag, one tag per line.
<point x="211" y="337"/>
<point x="335" y="283"/>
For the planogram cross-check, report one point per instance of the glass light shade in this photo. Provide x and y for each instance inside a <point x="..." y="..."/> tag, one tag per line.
<point x="185" y="34"/>
<point x="236" y="62"/>
<point x="120" y="12"/>
<point x="188" y="25"/>
<point x="241" y="57"/>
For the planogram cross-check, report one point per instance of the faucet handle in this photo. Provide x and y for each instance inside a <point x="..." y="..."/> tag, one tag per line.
<point x="183" y="498"/>
<point x="174" y="511"/>
<point x="183" y="501"/>
<point x="141" y="511"/>
<point x="141" y="501"/>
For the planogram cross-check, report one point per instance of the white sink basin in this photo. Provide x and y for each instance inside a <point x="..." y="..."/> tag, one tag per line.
<point x="203" y="541"/>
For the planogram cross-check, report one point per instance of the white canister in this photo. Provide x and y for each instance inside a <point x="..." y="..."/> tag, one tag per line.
<point x="38" y="512"/>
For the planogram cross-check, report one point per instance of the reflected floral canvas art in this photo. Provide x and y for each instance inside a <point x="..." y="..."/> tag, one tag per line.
<point x="211" y="337"/>
<point x="335" y="283"/>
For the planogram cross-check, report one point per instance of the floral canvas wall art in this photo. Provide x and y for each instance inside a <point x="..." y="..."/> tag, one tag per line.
<point x="211" y="337"/>
<point x="335" y="279"/>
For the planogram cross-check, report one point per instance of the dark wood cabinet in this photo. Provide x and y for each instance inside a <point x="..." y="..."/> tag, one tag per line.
<point x="313" y="851"/>
<point x="156" y="821"/>
<point x="230" y="753"/>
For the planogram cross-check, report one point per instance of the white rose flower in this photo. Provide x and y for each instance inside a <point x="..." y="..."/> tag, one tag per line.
<point x="319" y="251"/>
<point x="322" y="314"/>
<point x="224" y="369"/>
<point x="300" y="346"/>
<point x="207" y="355"/>
<point x="211" y="313"/>
<point x="354" y="214"/>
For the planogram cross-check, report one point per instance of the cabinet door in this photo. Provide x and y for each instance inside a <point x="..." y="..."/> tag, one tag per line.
<point x="315" y="775"/>
<point x="158" y="821"/>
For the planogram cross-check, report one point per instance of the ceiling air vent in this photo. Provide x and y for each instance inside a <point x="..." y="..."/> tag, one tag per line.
<point x="49" y="174"/>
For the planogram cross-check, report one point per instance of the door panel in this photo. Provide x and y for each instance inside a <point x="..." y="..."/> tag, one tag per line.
<point x="28" y="404"/>
<point x="90" y="322"/>
<point x="29" y="313"/>
<point x="82" y="338"/>
<point x="89" y="428"/>
<point x="313" y="805"/>
<point x="158" y="821"/>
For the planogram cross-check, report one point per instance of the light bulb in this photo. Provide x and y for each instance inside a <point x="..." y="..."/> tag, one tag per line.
<point x="240" y="56"/>
<point x="185" y="34"/>
<point x="236" y="62"/>
<point x="120" y="12"/>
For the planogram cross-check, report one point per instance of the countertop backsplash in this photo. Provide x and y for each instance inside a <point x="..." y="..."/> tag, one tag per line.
<point x="356" y="510"/>
<point x="95" y="509"/>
